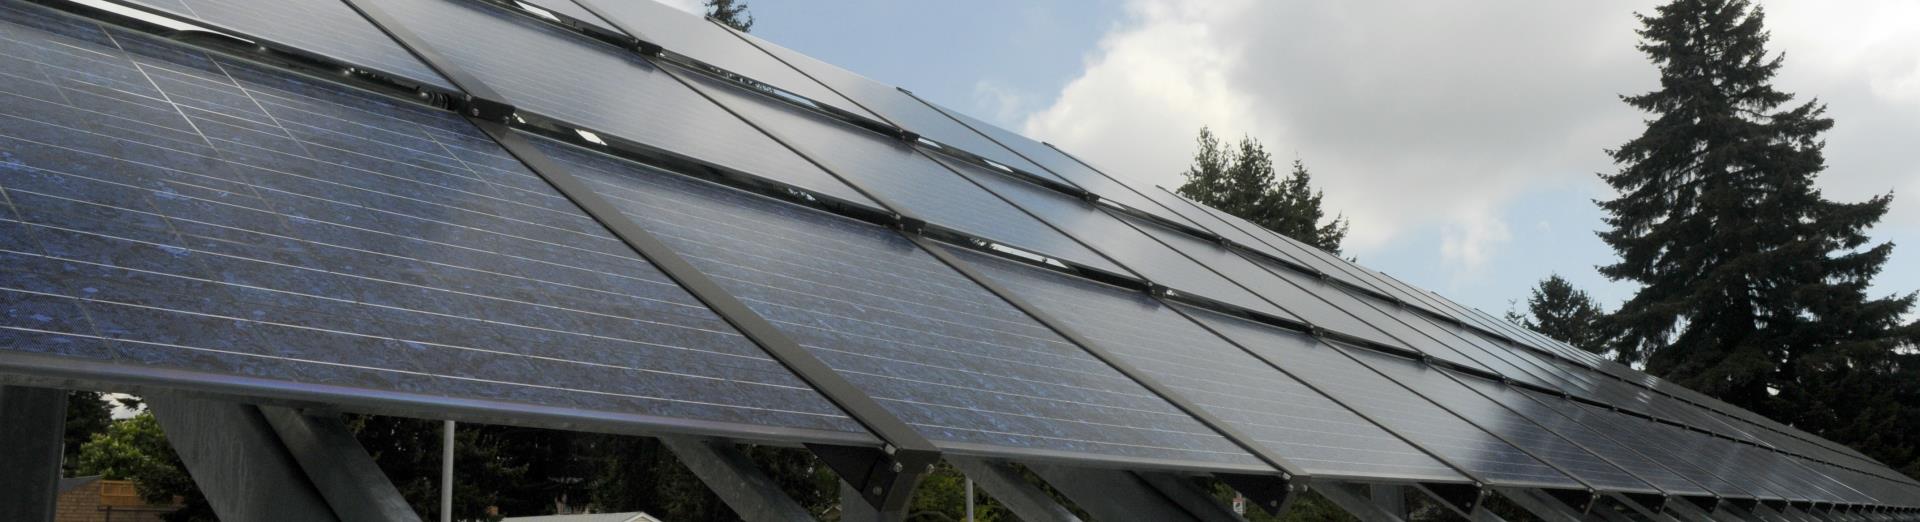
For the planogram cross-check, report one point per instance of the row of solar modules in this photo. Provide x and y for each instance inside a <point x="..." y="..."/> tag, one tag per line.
<point x="183" y="218"/>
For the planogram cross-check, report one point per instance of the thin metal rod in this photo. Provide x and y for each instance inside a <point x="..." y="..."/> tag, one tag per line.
<point x="446" y="473"/>
<point x="969" y="499"/>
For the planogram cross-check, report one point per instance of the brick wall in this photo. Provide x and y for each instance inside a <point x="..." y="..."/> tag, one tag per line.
<point x="106" y="501"/>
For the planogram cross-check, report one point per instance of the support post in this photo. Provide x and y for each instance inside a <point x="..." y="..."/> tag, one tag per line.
<point x="338" y="466"/>
<point x="1119" y="495"/>
<point x="1183" y="492"/>
<point x="1349" y="497"/>
<point x="732" y="476"/>
<point x="446" y="471"/>
<point x="1013" y="491"/>
<point x="32" y="423"/>
<point x="1391" y="498"/>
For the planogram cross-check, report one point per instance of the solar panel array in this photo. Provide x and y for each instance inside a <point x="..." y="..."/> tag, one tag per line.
<point x="178" y="218"/>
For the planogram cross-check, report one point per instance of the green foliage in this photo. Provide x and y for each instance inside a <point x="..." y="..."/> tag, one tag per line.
<point x="136" y="449"/>
<point x="87" y="415"/>
<point x="731" y="12"/>
<point x="1241" y="181"/>
<point x="1564" y="313"/>
<point x="1753" y="285"/>
<point x="520" y="471"/>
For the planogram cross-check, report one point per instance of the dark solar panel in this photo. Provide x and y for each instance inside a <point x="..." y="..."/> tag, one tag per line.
<point x="325" y="27"/>
<point x="214" y="222"/>
<point x="894" y="171"/>
<point x="1389" y="403"/>
<point x="1068" y="168"/>
<point x="689" y="35"/>
<point x="1121" y="242"/>
<point x="540" y="68"/>
<point x="966" y="368"/>
<point x="1298" y="423"/>
<point x="900" y="108"/>
<point x="1515" y="403"/>
<point x="1637" y="434"/>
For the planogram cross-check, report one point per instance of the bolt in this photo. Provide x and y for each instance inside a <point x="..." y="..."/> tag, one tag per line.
<point x="897" y="467"/>
<point x="876" y="491"/>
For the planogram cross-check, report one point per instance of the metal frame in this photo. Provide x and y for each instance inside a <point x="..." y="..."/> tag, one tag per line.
<point x="1006" y="485"/>
<point x="733" y="477"/>
<point x="1368" y="504"/>
<point x="32" y="428"/>
<point x="1123" y="495"/>
<point x="253" y="468"/>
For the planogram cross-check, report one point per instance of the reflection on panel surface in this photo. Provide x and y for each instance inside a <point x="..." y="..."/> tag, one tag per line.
<point x="168" y="211"/>
<point x="1298" y="423"/>
<point x="964" y="367"/>
<point x="1387" y="402"/>
<point x="540" y="68"/>
<point x="325" y="27"/>
<point x="894" y="171"/>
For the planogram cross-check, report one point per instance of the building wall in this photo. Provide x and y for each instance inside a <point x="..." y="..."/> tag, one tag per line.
<point x="106" y="501"/>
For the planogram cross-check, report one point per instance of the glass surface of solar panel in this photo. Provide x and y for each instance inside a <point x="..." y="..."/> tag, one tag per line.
<point x="325" y="27"/>
<point x="1353" y="384"/>
<point x="900" y="108"/>
<point x="1594" y="440"/>
<point x="1266" y="241"/>
<point x="1638" y="434"/>
<point x="1121" y="242"/>
<point x="964" y="367"/>
<point x="1069" y="168"/>
<point x="1520" y="431"/>
<point x="894" y="171"/>
<point x="210" y="221"/>
<point x="559" y="74"/>
<point x="692" y="36"/>
<point x="570" y="9"/>
<point x="1298" y="423"/>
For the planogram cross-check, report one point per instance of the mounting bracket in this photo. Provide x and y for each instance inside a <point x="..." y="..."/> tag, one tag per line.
<point x="1273" y="493"/>
<point x="884" y="477"/>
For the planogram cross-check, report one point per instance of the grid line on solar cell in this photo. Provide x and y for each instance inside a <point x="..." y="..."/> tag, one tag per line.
<point x="1303" y="426"/>
<point x="943" y="354"/>
<point x="326" y="27"/>
<point x="1393" y="406"/>
<point x="194" y="231"/>
<point x="538" y="67"/>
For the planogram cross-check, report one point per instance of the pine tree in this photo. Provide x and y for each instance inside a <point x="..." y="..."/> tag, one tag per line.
<point x="731" y="12"/>
<point x="1564" y="313"/>
<point x="1240" y="181"/>
<point x="1752" y="283"/>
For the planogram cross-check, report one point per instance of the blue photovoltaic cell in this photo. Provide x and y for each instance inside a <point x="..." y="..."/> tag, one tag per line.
<point x="691" y="36"/>
<point x="328" y="28"/>
<point x="894" y="171"/>
<point x="172" y="212"/>
<point x="1591" y="438"/>
<point x="1639" y="434"/>
<point x="1123" y="243"/>
<point x="1297" y="423"/>
<point x="556" y="73"/>
<point x="1068" y="168"/>
<point x="899" y="108"/>
<point x="1386" y="401"/>
<point x="946" y="356"/>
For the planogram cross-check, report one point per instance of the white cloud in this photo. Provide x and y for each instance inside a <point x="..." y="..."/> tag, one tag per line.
<point x="1000" y="103"/>
<point x="1430" y="117"/>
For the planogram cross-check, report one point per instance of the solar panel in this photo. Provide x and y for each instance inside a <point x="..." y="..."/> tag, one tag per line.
<point x="1394" y="406"/>
<point x="1298" y="423"/>
<point x="1515" y="403"/>
<point x="325" y="27"/>
<point x="1639" y="434"/>
<point x="900" y="108"/>
<point x="1266" y="241"/>
<point x="206" y="222"/>
<point x="538" y="67"/>
<point x="567" y="8"/>
<point x="1069" y="168"/>
<point x="894" y="171"/>
<point x="967" y="369"/>
<point x="688" y="35"/>
<point x="1122" y="242"/>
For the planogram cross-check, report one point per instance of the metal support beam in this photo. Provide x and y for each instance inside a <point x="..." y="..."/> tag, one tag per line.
<point x="1119" y="495"/>
<point x="238" y="461"/>
<point x="339" y="468"/>
<point x="1391" y="498"/>
<point x="1687" y="510"/>
<point x="1018" y="495"/>
<point x="1350" y="497"/>
<point x="1641" y="508"/>
<point x="32" y="423"/>
<point x="1543" y="505"/>
<point x="728" y="472"/>
<point x="1183" y="492"/>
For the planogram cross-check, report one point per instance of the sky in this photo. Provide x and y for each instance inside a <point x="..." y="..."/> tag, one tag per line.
<point x="1461" y="139"/>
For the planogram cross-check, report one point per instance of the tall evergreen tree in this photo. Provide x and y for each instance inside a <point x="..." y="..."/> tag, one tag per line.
<point x="731" y="12"/>
<point x="1240" y="181"/>
<point x="1565" y="313"/>
<point x="1752" y="283"/>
